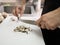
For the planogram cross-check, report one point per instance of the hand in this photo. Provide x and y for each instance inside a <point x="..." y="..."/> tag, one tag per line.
<point x="50" y="20"/>
<point x="17" y="10"/>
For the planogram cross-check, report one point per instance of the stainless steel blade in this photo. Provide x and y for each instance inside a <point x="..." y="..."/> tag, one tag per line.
<point x="29" y="22"/>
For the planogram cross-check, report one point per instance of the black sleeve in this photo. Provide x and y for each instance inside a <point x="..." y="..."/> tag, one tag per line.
<point x="50" y="5"/>
<point x="51" y="37"/>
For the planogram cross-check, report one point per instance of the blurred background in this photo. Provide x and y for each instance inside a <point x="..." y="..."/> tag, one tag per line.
<point x="8" y="5"/>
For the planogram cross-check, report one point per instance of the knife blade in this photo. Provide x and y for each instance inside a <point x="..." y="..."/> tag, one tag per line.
<point x="29" y="22"/>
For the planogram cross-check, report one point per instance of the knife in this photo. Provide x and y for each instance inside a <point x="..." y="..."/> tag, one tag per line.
<point x="31" y="22"/>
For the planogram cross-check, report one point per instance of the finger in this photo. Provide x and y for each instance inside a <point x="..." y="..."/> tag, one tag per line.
<point x="38" y="21"/>
<point x="14" y="13"/>
<point x="42" y="24"/>
<point x="53" y="28"/>
<point x="47" y="26"/>
<point x="17" y="11"/>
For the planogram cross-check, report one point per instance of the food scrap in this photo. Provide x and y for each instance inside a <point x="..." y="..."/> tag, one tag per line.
<point x="22" y="29"/>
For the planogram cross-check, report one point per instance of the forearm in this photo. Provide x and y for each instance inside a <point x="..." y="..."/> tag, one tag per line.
<point x="58" y="14"/>
<point x="55" y="12"/>
<point x="58" y="11"/>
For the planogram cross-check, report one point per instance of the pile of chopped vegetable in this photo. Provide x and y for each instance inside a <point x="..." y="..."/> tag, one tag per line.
<point x="22" y="29"/>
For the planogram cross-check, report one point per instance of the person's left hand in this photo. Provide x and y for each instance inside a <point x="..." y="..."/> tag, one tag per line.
<point x="49" y="21"/>
<point x="18" y="10"/>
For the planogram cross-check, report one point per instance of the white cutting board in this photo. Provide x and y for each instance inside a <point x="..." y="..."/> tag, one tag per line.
<point x="9" y="37"/>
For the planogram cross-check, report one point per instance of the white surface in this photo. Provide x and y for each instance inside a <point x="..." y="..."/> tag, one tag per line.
<point x="9" y="37"/>
<point x="34" y="16"/>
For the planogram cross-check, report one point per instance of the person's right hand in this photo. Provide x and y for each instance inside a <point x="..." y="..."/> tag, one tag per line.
<point x="50" y="20"/>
